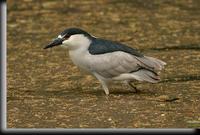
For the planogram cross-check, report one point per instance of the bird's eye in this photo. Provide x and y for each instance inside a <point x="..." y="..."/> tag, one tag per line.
<point x="66" y="36"/>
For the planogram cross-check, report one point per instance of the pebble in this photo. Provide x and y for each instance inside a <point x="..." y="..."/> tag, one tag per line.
<point x="166" y="98"/>
<point x="109" y="119"/>
<point x="162" y="114"/>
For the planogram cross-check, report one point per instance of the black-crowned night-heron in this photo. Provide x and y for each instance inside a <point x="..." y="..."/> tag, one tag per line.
<point x="107" y="60"/>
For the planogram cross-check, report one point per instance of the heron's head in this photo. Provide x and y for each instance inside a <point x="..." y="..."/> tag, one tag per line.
<point x="71" y="38"/>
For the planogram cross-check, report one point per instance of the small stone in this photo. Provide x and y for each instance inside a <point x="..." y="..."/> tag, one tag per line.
<point x="109" y="119"/>
<point x="162" y="105"/>
<point x="163" y="97"/>
<point x="166" y="98"/>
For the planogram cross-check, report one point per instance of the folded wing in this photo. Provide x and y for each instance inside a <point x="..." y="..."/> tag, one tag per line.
<point x="113" y="64"/>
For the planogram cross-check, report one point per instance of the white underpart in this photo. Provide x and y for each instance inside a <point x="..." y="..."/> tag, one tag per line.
<point x="115" y="66"/>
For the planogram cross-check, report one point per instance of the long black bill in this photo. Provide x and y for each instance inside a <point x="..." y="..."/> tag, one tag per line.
<point x="56" y="42"/>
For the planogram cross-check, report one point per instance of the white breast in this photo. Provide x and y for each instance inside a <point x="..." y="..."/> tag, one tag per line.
<point x="78" y="50"/>
<point x="80" y="59"/>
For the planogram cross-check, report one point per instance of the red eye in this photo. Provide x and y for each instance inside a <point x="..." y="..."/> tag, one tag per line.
<point x="66" y="36"/>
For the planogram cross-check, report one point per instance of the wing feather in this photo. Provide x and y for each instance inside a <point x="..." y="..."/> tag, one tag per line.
<point x="113" y="64"/>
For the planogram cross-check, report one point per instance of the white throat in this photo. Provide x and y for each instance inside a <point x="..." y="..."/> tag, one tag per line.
<point x="77" y="42"/>
<point x="78" y="50"/>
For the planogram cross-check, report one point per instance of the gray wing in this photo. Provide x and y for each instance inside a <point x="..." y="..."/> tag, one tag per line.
<point x="116" y="63"/>
<point x="113" y="64"/>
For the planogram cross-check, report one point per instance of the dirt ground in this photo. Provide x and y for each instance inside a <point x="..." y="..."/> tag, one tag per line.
<point x="45" y="89"/>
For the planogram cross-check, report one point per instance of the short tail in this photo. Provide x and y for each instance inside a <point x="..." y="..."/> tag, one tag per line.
<point x="152" y="63"/>
<point x="146" y="75"/>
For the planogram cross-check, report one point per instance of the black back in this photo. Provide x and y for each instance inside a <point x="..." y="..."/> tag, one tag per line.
<point x="101" y="46"/>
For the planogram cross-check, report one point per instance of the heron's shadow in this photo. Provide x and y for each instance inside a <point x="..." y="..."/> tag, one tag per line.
<point x="129" y="92"/>
<point x="121" y="92"/>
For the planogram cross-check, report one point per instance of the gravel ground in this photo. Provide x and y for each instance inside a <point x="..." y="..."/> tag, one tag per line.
<point x="45" y="90"/>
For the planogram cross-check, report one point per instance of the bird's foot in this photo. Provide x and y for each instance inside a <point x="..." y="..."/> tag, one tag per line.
<point x="106" y="92"/>
<point x="133" y="88"/>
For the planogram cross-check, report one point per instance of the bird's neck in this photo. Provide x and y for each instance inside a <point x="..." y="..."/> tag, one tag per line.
<point x="80" y="49"/>
<point x="79" y="43"/>
<point x="79" y="57"/>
